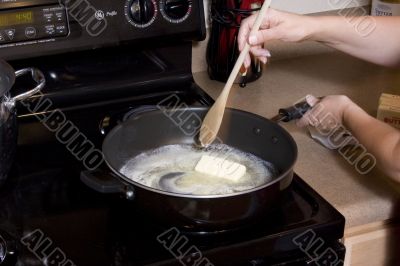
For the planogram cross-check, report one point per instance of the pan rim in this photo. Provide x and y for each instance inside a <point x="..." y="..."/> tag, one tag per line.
<point x="279" y="178"/>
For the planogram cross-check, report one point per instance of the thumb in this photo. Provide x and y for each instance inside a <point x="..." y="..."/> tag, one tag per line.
<point x="307" y="118"/>
<point x="263" y="35"/>
<point x="312" y="100"/>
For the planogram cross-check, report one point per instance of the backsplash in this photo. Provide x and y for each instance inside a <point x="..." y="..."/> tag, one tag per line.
<point x="306" y="6"/>
<point x="315" y="6"/>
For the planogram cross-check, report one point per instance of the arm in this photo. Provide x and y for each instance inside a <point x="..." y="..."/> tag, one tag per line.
<point x="378" y="43"/>
<point x="374" y="39"/>
<point x="380" y="139"/>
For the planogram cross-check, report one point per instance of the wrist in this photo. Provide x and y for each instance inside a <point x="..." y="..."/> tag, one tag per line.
<point x="311" y="27"/>
<point x="322" y="29"/>
<point x="349" y="108"/>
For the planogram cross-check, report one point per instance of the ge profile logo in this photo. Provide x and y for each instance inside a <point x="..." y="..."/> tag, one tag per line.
<point x="99" y="15"/>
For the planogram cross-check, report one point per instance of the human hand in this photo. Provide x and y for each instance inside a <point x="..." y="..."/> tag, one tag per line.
<point x="276" y="25"/>
<point x="327" y="113"/>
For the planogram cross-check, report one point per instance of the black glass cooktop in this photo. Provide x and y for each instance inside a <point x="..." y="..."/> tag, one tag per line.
<point x="49" y="217"/>
<point x="97" y="229"/>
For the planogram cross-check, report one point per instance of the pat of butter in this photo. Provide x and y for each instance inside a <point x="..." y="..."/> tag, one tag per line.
<point x="220" y="167"/>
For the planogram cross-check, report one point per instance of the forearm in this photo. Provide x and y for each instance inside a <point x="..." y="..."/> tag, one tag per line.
<point x="378" y="43"/>
<point x="380" y="139"/>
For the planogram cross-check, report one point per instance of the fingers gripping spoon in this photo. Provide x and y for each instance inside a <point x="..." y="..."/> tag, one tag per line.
<point x="212" y="122"/>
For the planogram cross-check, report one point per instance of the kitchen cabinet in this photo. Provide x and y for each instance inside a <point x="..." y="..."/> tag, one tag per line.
<point x="375" y="244"/>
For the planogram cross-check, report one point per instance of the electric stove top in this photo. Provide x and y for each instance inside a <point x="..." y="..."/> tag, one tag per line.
<point x="48" y="215"/>
<point x="51" y="209"/>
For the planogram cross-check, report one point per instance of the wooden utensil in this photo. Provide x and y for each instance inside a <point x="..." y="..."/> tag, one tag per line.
<point x="212" y="122"/>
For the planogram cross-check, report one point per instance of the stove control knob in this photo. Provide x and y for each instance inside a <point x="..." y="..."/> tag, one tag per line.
<point x="141" y="13"/>
<point x="176" y="11"/>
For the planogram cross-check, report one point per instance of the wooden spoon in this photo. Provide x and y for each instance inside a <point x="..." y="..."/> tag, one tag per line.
<point x="212" y="122"/>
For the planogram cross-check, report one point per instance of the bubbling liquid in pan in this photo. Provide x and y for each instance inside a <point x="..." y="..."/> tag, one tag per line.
<point x="148" y="167"/>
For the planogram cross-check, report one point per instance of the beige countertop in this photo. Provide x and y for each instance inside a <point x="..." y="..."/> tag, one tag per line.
<point x="360" y="198"/>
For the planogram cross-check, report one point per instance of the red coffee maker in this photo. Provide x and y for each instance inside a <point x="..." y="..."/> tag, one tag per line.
<point x="222" y="49"/>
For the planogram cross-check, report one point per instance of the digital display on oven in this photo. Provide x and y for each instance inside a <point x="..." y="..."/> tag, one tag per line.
<point x="16" y="18"/>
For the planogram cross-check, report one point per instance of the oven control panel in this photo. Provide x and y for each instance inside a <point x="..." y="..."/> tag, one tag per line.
<point x="27" y="24"/>
<point x="31" y="28"/>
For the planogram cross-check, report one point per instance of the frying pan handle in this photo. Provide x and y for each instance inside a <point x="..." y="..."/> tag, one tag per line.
<point x="294" y="112"/>
<point x="105" y="182"/>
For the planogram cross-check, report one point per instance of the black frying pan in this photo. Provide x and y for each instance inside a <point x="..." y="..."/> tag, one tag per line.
<point x="245" y="131"/>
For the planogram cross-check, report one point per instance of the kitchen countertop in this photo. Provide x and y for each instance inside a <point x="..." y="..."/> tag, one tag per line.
<point x="360" y="198"/>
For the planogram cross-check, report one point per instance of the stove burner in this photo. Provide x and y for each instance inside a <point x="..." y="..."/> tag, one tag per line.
<point x="140" y="110"/>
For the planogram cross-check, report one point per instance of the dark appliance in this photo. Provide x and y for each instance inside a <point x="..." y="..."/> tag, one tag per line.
<point x="142" y="57"/>
<point x="222" y="48"/>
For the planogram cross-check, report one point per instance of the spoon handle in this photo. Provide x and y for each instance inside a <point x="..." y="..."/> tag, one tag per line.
<point x="246" y="49"/>
<point x="212" y="122"/>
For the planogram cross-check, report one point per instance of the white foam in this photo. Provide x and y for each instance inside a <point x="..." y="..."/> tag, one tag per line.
<point x="148" y="167"/>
